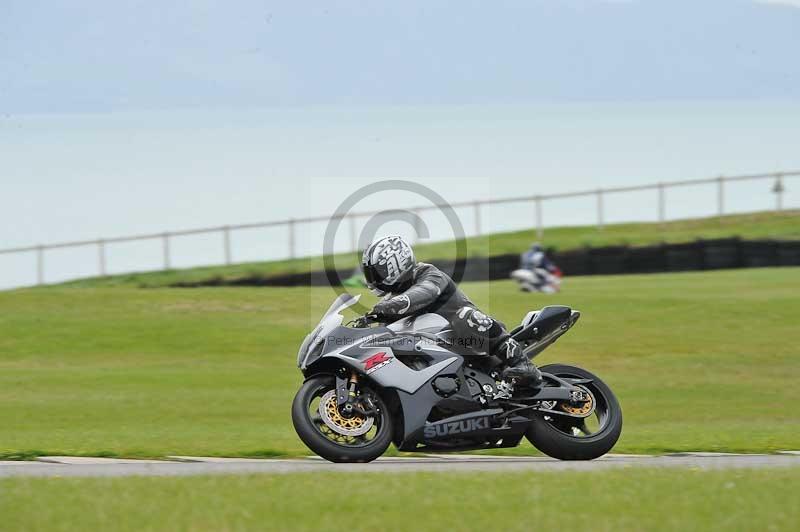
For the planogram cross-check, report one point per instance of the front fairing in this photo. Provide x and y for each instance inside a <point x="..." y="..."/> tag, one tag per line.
<point x="313" y="343"/>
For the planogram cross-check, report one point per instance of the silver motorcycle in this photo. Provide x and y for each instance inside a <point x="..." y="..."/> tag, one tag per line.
<point x="413" y="383"/>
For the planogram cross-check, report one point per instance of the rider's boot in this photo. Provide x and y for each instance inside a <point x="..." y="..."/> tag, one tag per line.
<point x="518" y="365"/>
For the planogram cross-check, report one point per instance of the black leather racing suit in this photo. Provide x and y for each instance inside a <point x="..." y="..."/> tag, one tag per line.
<point x="431" y="290"/>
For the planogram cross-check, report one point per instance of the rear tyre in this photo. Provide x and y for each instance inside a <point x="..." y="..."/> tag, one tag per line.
<point x="569" y="438"/>
<point x="332" y="436"/>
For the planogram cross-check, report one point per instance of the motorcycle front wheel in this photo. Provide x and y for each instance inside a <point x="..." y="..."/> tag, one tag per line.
<point x="334" y="436"/>
<point x="571" y="438"/>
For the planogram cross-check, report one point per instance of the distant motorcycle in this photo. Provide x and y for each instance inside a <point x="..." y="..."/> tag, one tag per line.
<point x="538" y="280"/>
<point x="413" y="384"/>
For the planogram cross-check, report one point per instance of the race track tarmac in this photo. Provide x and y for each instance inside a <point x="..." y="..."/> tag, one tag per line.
<point x="186" y="466"/>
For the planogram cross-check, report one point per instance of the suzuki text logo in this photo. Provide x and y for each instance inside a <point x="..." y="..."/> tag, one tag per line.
<point x="435" y="430"/>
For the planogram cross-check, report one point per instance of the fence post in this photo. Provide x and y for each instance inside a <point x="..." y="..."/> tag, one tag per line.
<point x="477" y="207"/>
<point x="291" y="238"/>
<point x="539" y="225"/>
<point x="721" y="196"/>
<point x="600" y="213"/>
<point x="226" y="241"/>
<point x="165" y="247"/>
<point x="661" y="204"/>
<point x="40" y="265"/>
<point x="778" y="189"/>
<point x="101" y="257"/>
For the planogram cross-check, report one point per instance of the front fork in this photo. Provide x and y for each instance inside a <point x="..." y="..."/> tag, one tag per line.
<point x="348" y="398"/>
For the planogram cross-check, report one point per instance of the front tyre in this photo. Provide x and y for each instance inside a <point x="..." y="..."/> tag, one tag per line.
<point x="570" y="438"/>
<point x="319" y="423"/>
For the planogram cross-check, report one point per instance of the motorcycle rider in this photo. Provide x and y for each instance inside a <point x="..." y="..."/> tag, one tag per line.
<point x="537" y="273"/>
<point x="410" y="288"/>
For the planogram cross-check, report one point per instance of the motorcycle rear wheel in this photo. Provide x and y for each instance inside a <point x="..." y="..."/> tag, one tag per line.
<point x="568" y="438"/>
<point x="320" y="434"/>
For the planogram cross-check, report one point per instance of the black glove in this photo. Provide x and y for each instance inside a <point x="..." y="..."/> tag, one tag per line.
<point x="392" y="307"/>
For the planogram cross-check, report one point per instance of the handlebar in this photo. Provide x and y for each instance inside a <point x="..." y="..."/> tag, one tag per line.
<point x="365" y="321"/>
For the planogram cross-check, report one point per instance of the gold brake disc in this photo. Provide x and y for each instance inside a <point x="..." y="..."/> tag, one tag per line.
<point x="582" y="409"/>
<point x="347" y="426"/>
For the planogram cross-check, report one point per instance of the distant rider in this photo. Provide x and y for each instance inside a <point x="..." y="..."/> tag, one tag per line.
<point x="537" y="272"/>
<point x="411" y="288"/>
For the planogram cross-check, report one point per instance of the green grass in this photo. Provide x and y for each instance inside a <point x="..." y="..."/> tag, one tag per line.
<point x="784" y="225"/>
<point x="618" y="500"/>
<point x="700" y="361"/>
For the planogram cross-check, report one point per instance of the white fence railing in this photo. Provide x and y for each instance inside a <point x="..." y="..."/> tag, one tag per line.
<point x="225" y="231"/>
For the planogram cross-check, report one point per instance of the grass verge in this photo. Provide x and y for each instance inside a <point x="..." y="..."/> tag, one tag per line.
<point x="616" y="500"/>
<point x="756" y="225"/>
<point x="700" y="361"/>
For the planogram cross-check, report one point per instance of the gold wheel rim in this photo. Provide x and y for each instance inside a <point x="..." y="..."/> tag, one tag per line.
<point x="351" y="423"/>
<point x="357" y="425"/>
<point x="579" y="410"/>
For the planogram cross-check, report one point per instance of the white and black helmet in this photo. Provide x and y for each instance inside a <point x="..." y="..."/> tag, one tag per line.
<point x="388" y="264"/>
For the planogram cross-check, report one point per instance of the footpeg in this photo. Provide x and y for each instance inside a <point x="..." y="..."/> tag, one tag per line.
<point x="504" y="390"/>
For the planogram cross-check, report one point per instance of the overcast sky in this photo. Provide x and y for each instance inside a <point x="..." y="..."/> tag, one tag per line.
<point x="120" y="117"/>
<point x="96" y="55"/>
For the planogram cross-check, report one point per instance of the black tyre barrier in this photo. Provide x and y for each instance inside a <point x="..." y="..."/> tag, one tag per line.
<point x="610" y="260"/>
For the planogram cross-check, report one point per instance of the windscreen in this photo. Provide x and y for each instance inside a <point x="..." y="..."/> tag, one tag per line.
<point x="340" y="303"/>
